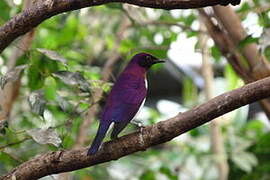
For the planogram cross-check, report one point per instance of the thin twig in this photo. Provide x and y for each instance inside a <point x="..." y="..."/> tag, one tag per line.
<point x="14" y="143"/>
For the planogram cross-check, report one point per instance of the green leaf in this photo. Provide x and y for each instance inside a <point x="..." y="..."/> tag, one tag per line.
<point x="191" y="34"/>
<point x="264" y="19"/>
<point x="50" y="88"/>
<point x="37" y="102"/>
<point x="255" y="128"/>
<point x="168" y="173"/>
<point x="45" y="136"/>
<point x="68" y="141"/>
<point x="64" y="104"/>
<point x="4" y="15"/>
<point x="267" y="52"/>
<point x="245" y="160"/>
<point x="126" y="45"/>
<point x="10" y="136"/>
<point x="189" y="19"/>
<point x="216" y="53"/>
<point x="248" y="40"/>
<point x="263" y="144"/>
<point x="7" y="160"/>
<point x="110" y="40"/>
<point x="73" y="79"/>
<point x="52" y="55"/>
<point x="35" y="78"/>
<point x="245" y="7"/>
<point x="189" y="92"/>
<point x="148" y="175"/>
<point x="11" y="76"/>
<point x="118" y="6"/>
<point x="232" y="78"/>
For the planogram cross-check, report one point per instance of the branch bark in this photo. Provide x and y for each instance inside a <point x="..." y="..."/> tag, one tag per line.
<point x="258" y="65"/>
<point x="69" y="160"/>
<point x="30" y="18"/>
<point x="226" y="46"/>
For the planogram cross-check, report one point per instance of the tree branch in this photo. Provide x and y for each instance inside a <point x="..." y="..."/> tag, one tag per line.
<point x="258" y="65"/>
<point x="228" y="42"/>
<point x="30" y="18"/>
<point x="69" y="160"/>
<point x="226" y="46"/>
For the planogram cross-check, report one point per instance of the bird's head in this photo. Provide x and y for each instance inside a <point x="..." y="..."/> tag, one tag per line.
<point x="145" y="60"/>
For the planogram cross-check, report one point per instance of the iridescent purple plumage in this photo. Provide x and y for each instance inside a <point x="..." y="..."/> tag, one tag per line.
<point x="125" y="98"/>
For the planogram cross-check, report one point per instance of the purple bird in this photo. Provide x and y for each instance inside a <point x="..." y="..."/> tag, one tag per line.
<point x="125" y="99"/>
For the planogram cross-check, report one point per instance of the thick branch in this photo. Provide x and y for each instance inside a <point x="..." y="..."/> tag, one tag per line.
<point x="227" y="43"/>
<point x="226" y="46"/>
<point x="28" y="19"/>
<point x="258" y="65"/>
<point x="63" y="161"/>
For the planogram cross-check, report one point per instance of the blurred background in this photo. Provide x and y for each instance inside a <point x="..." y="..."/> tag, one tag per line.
<point x="55" y="79"/>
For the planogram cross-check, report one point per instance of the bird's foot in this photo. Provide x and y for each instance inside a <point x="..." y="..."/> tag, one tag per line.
<point x="137" y="123"/>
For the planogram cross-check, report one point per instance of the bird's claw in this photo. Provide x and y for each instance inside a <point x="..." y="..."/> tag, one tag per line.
<point x="137" y="123"/>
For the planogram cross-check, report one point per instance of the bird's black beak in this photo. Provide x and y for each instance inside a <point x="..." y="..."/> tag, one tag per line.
<point x="159" y="61"/>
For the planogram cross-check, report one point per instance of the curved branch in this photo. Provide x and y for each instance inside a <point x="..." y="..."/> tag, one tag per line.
<point x="30" y="18"/>
<point x="69" y="160"/>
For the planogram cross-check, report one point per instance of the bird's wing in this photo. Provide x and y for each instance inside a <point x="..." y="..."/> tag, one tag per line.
<point x="132" y="89"/>
<point x="125" y="99"/>
<point x="124" y="113"/>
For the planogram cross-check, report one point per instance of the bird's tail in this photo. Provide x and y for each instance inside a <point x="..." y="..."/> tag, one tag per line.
<point x="102" y="129"/>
